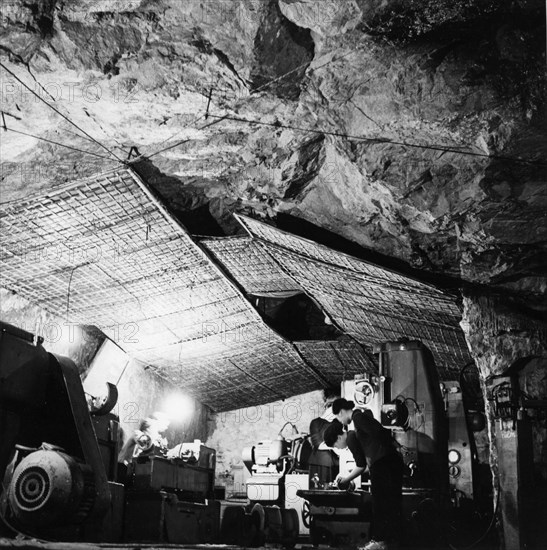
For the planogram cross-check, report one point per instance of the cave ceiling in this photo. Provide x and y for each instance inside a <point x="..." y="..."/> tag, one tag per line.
<point x="396" y="125"/>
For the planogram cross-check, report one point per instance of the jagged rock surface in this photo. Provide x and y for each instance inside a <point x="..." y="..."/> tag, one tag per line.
<point x="462" y="75"/>
<point x="366" y="110"/>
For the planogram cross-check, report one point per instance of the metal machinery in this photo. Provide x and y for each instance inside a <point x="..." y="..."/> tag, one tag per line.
<point x="411" y="405"/>
<point x="406" y="397"/>
<point x="279" y="469"/>
<point x="334" y="516"/>
<point x="425" y="417"/>
<point x="521" y="495"/>
<point x="288" y="484"/>
<point x="460" y="444"/>
<point x="58" y="462"/>
<point x="268" y="462"/>
<point x="171" y="500"/>
<point x="53" y="474"/>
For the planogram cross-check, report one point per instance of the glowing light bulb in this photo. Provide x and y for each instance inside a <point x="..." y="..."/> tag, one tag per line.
<point x="178" y="406"/>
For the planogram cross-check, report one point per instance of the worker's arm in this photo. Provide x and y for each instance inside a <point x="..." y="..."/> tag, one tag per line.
<point x="343" y="482"/>
<point x="360" y="461"/>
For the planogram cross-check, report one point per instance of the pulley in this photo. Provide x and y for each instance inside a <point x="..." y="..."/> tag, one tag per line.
<point x="50" y="488"/>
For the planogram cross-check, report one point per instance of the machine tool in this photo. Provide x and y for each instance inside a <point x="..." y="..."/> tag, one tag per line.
<point x="279" y="469"/>
<point x="268" y="462"/>
<point x="58" y="462"/>
<point x="288" y="480"/>
<point x="170" y="500"/>
<point x="61" y="481"/>
<point x="405" y="396"/>
<point x="53" y="472"/>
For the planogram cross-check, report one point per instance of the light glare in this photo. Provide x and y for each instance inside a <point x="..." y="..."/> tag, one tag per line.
<point x="453" y="456"/>
<point x="178" y="406"/>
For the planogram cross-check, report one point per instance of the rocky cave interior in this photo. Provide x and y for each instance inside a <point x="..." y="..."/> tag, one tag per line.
<point x="411" y="133"/>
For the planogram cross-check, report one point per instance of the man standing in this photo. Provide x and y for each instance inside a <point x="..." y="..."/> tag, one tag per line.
<point x="372" y="446"/>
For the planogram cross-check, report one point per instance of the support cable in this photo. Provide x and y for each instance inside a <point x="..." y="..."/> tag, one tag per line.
<point x="431" y="147"/>
<point x="220" y="119"/>
<point x="60" y="144"/>
<point x="59" y="112"/>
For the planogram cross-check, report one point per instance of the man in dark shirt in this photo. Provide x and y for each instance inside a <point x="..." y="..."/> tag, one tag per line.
<point x="372" y="446"/>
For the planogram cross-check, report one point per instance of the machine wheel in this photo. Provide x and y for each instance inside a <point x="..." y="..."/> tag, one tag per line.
<point x="274" y="523"/>
<point x="306" y="515"/>
<point x="257" y="533"/>
<point x="233" y="525"/>
<point x="290" y="527"/>
<point x="258" y="516"/>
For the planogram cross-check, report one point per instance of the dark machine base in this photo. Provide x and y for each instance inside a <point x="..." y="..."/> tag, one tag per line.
<point x="161" y="517"/>
<point x="338" y="518"/>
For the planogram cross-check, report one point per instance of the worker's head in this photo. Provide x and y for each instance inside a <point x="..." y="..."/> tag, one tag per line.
<point x="335" y="435"/>
<point x="343" y="409"/>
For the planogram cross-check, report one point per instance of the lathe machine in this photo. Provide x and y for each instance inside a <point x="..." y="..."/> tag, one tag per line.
<point x="58" y="462"/>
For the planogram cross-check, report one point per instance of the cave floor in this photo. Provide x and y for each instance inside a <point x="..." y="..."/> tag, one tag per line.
<point x="38" y="545"/>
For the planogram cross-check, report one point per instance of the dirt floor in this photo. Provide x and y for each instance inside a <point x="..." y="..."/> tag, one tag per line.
<point x="29" y="544"/>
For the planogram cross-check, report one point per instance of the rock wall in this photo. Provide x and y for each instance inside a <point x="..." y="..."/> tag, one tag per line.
<point x="234" y="430"/>
<point x="415" y="128"/>
<point x="503" y="336"/>
<point x="392" y="123"/>
<point x="500" y="338"/>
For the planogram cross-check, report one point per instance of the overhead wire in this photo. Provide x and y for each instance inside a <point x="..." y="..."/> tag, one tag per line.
<point x="220" y="119"/>
<point x="181" y="142"/>
<point x="193" y="121"/>
<point x="402" y="143"/>
<point x="390" y="141"/>
<point x="59" y="112"/>
<point x="252" y="92"/>
<point x="83" y="151"/>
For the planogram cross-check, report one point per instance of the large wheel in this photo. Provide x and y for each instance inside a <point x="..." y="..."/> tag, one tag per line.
<point x="306" y="515"/>
<point x="258" y="516"/>
<point x="257" y="533"/>
<point x="233" y="525"/>
<point x="274" y="523"/>
<point x="291" y="527"/>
